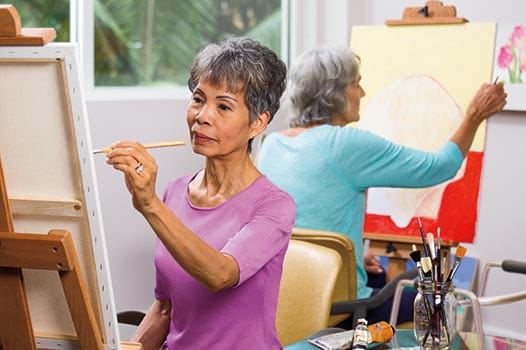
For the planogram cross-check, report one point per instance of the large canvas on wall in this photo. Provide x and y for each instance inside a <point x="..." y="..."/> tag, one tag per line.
<point x="419" y="81"/>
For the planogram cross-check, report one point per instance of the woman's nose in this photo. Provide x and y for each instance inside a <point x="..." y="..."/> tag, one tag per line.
<point x="203" y="116"/>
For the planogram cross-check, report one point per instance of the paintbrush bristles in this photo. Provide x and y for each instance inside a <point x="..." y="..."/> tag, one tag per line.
<point x="426" y="264"/>
<point x="431" y="243"/>
<point x="415" y="255"/>
<point x="459" y="255"/>
<point x="460" y="252"/>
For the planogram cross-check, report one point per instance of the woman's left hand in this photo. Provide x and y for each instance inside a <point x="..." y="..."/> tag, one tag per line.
<point x="372" y="264"/>
<point x="140" y="171"/>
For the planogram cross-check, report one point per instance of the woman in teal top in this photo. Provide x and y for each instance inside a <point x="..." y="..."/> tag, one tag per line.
<point x="327" y="168"/>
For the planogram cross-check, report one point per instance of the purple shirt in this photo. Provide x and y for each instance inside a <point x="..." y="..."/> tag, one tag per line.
<point x="254" y="227"/>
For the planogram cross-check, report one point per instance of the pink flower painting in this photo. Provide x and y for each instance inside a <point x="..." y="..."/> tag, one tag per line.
<point x="512" y="55"/>
<point x="502" y="343"/>
<point x="505" y="56"/>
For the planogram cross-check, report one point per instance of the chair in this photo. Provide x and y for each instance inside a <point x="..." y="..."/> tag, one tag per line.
<point x="344" y="298"/>
<point x="346" y="283"/>
<point x="310" y="272"/>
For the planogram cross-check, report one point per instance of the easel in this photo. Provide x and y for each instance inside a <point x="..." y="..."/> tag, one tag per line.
<point x="12" y="33"/>
<point x="434" y="12"/>
<point x="395" y="247"/>
<point x="54" y="251"/>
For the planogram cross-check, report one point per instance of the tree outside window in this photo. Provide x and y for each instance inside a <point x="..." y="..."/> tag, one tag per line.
<point x="153" y="42"/>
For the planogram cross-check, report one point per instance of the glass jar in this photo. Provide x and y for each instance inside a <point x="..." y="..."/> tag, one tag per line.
<point x="434" y="318"/>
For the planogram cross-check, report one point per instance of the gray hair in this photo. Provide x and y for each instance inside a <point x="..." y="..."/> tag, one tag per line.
<point x="243" y="64"/>
<point x="318" y="85"/>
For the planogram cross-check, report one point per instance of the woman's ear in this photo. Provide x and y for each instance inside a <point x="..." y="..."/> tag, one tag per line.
<point x="260" y="124"/>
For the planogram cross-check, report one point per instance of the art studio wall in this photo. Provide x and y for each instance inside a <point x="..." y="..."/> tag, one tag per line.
<point x="314" y="23"/>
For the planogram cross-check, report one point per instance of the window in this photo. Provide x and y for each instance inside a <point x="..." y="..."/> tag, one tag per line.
<point x="153" y="42"/>
<point x="45" y="13"/>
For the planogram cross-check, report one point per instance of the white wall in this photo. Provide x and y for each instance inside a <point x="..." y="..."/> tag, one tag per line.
<point x="315" y="23"/>
<point x="502" y="220"/>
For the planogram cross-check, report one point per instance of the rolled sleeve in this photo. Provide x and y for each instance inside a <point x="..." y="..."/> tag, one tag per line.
<point x="451" y="150"/>
<point x="264" y="237"/>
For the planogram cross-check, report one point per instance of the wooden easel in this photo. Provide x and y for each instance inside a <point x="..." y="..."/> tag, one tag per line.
<point x="54" y="251"/>
<point x="433" y="12"/>
<point x="12" y="33"/>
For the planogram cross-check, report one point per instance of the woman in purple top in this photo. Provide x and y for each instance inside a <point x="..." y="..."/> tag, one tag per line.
<point x="223" y="231"/>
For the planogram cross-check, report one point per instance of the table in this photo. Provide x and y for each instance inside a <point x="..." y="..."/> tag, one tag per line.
<point x="404" y="339"/>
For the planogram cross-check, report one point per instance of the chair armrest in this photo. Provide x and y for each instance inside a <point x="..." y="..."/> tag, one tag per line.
<point x="514" y="266"/>
<point x="359" y="307"/>
<point x="130" y="317"/>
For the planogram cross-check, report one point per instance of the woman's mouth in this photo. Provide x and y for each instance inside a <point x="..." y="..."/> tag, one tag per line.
<point x="202" y="138"/>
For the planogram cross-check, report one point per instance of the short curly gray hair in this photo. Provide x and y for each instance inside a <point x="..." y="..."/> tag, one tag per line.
<point x="243" y="64"/>
<point x="318" y="85"/>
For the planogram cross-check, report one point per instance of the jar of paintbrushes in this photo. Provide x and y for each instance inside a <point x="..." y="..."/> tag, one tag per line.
<point x="435" y="306"/>
<point x="434" y="314"/>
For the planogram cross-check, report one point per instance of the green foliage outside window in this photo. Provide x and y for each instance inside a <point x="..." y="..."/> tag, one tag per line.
<point x="153" y="42"/>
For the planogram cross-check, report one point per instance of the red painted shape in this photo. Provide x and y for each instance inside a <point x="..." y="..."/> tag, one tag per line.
<point x="457" y="215"/>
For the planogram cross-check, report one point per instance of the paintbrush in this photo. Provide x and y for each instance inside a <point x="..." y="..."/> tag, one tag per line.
<point x="426" y="248"/>
<point x="430" y="239"/>
<point x="438" y="258"/>
<point x="459" y="255"/>
<point x="148" y="145"/>
<point x="444" y="264"/>
<point x="426" y="265"/>
<point x="415" y="255"/>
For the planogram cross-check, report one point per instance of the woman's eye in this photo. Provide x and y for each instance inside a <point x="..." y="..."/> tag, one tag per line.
<point x="197" y="99"/>
<point x="224" y="107"/>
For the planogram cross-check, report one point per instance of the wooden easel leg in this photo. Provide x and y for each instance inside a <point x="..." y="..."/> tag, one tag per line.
<point x="16" y="329"/>
<point x="79" y="305"/>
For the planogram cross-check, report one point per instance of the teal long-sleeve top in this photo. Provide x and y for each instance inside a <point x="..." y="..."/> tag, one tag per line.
<point x="327" y="169"/>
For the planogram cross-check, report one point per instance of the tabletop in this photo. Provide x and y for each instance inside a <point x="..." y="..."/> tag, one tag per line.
<point x="404" y="339"/>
